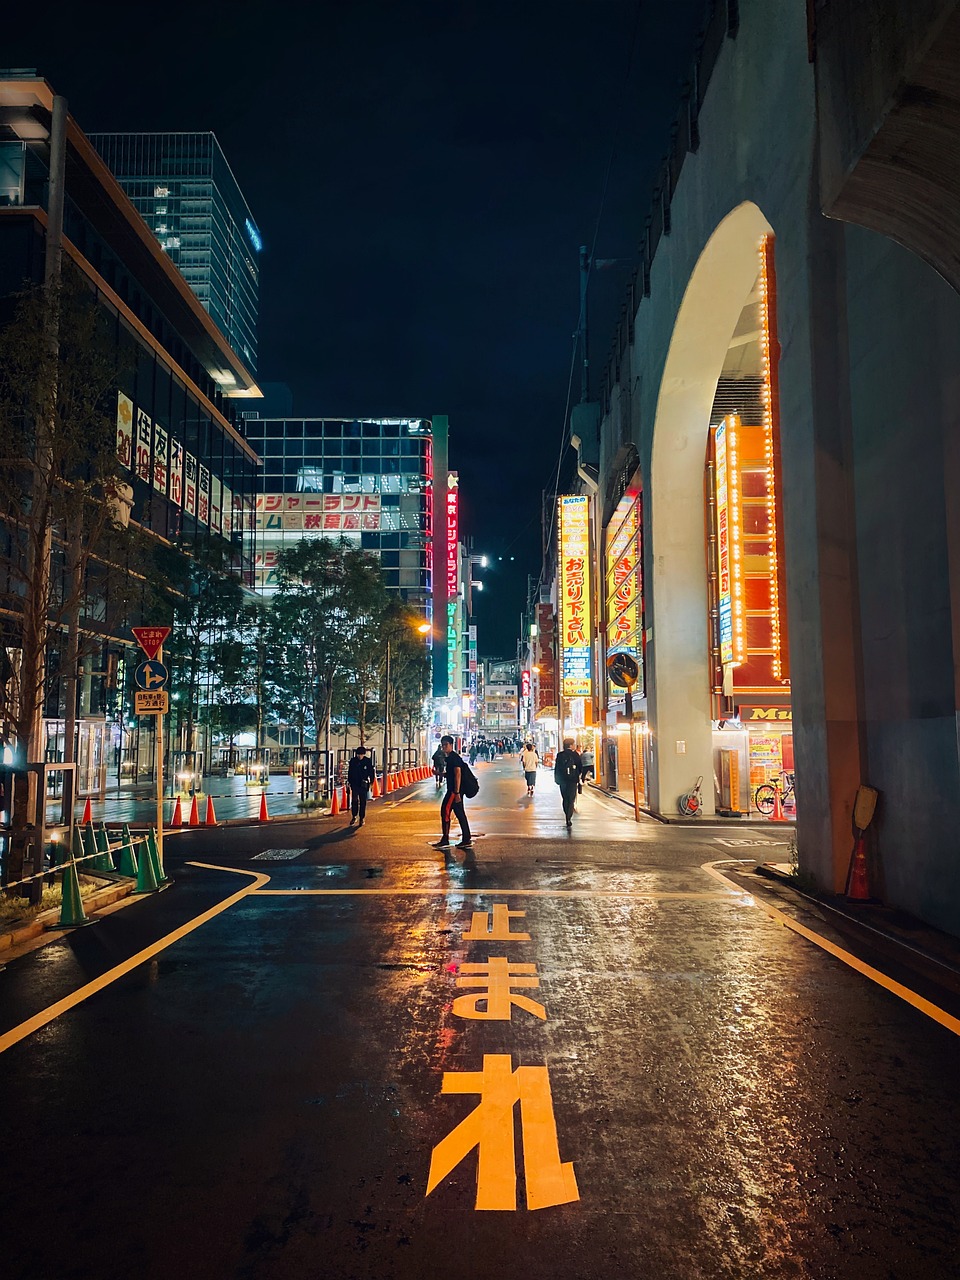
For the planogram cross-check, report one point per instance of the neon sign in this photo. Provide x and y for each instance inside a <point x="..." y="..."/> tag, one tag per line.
<point x="576" y="653"/>
<point x="729" y="555"/>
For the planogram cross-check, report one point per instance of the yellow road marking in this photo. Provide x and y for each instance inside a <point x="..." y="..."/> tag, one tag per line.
<point x="454" y="892"/>
<point x="890" y="984"/>
<point x="16" y="1034"/>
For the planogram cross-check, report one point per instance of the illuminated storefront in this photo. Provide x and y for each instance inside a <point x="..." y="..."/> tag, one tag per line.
<point x="625" y="743"/>
<point x="753" y="739"/>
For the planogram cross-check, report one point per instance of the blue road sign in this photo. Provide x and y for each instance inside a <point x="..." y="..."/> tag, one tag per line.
<point x="151" y="675"/>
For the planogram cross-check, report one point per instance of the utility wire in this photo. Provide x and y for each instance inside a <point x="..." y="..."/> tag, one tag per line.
<point x="579" y="335"/>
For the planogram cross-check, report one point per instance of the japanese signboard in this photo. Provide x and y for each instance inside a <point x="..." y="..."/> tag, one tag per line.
<point x="624" y="583"/>
<point x="729" y="579"/>
<point x="124" y="429"/>
<point x="452" y="516"/>
<point x="150" y="639"/>
<point x="318" y="513"/>
<point x="156" y="702"/>
<point x="576" y="651"/>
<point x="144" y="445"/>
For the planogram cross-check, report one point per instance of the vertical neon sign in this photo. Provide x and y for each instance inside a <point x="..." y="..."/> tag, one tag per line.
<point x="576" y="661"/>
<point x="453" y="581"/>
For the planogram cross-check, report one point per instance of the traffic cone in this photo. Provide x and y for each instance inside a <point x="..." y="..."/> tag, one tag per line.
<point x="334" y="802"/>
<point x="105" y="860"/>
<point x="154" y="850"/>
<point x="858" y="886"/>
<point x="194" y="812"/>
<point x="71" y="901"/>
<point x="146" y="872"/>
<point x="128" y="859"/>
<point x="263" y="816"/>
<point x="777" y="815"/>
<point x="210" y="820"/>
<point x="377" y="793"/>
<point x="87" y="813"/>
<point x="177" y="819"/>
<point x="344" y="800"/>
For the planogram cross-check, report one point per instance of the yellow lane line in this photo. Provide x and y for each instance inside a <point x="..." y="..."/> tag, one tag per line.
<point x="895" y="988"/>
<point x="494" y="892"/>
<point x="16" y="1034"/>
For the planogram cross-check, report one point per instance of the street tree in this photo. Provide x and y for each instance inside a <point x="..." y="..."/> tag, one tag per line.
<point x="66" y="567"/>
<point x="329" y="599"/>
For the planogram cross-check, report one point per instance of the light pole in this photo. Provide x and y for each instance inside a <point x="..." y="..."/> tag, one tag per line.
<point x="424" y="629"/>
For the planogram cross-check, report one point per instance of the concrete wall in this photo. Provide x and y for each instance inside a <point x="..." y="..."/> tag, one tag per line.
<point x="869" y="378"/>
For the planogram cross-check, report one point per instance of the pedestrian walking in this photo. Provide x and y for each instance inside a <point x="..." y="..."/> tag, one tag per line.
<point x="439" y="761"/>
<point x="528" y="763"/>
<point x="452" y="802"/>
<point x="567" y="772"/>
<point x="360" y="775"/>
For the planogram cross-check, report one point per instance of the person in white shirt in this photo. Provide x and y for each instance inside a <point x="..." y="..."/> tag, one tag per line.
<point x="528" y="763"/>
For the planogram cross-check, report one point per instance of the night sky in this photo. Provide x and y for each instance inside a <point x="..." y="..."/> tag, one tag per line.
<point x="422" y="174"/>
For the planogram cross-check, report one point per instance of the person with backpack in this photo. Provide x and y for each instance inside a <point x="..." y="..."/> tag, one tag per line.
<point x="460" y="782"/>
<point x="528" y="763"/>
<point x="439" y="766"/>
<point x="567" y="772"/>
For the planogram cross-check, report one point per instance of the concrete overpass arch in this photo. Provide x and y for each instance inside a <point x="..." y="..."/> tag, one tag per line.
<point x="678" y="648"/>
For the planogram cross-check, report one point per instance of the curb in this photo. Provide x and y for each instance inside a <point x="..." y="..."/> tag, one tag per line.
<point x="10" y="938"/>
<point x="917" y="946"/>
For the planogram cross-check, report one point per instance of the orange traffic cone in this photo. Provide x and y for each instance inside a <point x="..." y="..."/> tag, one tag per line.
<point x="263" y="815"/>
<point x="858" y="886"/>
<point x="777" y="815"/>
<point x="87" y="814"/>
<point x="335" y="803"/>
<point x="344" y="800"/>
<point x="177" y="819"/>
<point x="194" y="813"/>
<point x="211" y="818"/>
<point x="376" y="793"/>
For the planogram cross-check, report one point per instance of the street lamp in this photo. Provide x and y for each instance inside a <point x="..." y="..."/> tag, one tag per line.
<point x="424" y="629"/>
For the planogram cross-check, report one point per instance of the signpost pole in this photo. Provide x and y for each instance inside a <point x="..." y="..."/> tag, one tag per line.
<point x="160" y="779"/>
<point x="633" y="752"/>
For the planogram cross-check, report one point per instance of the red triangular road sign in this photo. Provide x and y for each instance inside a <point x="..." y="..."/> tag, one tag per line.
<point x="150" y="639"/>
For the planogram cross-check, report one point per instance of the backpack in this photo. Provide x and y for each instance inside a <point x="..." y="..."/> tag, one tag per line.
<point x="468" y="780"/>
<point x="569" y="768"/>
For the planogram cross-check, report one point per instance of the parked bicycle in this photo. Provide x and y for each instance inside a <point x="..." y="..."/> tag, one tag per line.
<point x="765" y="795"/>
<point x="690" y="804"/>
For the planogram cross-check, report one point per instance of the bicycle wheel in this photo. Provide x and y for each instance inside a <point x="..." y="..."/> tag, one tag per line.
<point x="764" y="798"/>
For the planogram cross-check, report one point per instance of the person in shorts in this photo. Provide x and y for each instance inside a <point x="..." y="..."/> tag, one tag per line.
<point x="528" y="763"/>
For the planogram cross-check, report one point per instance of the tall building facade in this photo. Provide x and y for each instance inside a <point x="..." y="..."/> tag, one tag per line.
<point x="188" y="474"/>
<point x="185" y="191"/>
<point x="369" y="480"/>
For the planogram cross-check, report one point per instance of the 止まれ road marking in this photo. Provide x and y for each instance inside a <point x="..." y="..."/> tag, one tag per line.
<point x="18" y="1033"/>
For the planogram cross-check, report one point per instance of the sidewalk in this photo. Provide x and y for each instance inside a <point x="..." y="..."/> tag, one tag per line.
<point x="232" y="800"/>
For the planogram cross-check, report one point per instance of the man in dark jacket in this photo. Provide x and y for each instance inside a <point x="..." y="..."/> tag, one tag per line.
<point x="360" y="777"/>
<point x="452" y="802"/>
<point x="567" y="772"/>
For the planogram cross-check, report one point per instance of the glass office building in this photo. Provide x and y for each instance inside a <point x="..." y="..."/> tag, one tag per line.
<point x="369" y="480"/>
<point x="184" y="189"/>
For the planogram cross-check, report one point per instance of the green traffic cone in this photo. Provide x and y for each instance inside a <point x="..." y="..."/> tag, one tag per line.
<point x="146" y="876"/>
<point x="90" y="850"/>
<point x="72" y="913"/>
<point x="102" y="840"/>
<point x="155" y="856"/>
<point x="128" y="859"/>
<point x="76" y="843"/>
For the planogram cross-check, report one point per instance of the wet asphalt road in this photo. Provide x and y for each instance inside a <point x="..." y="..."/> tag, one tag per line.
<point x="262" y="1095"/>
